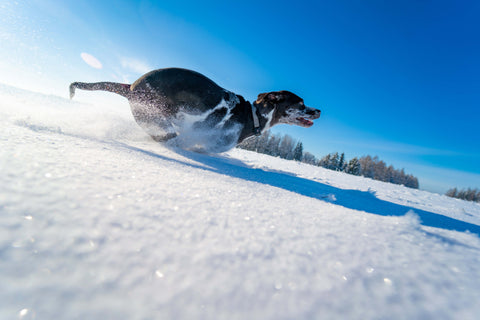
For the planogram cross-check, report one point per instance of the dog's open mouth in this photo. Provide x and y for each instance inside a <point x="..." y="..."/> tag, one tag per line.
<point x="305" y="122"/>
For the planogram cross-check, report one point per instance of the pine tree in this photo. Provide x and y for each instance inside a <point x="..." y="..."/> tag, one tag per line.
<point x="341" y="162"/>
<point x="334" y="160"/>
<point x="452" y="193"/>
<point x="272" y="145"/>
<point x="310" y="159"/>
<point x="262" y="142"/>
<point x="411" y="182"/>
<point x="353" y="167"/>
<point x="298" y="152"/>
<point x="380" y="169"/>
<point x="390" y="174"/>
<point x="325" y="161"/>
<point x="285" y="148"/>
<point x="248" y="144"/>
<point x="366" y="166"/>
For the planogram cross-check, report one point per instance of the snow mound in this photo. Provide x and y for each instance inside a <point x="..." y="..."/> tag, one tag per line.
<point x="97" y="221"/>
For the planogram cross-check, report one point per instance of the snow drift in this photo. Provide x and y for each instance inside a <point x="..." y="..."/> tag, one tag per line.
<point x="100" y="222"/>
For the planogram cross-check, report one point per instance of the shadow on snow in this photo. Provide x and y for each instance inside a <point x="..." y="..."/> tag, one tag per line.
<point x="352" y="199"/>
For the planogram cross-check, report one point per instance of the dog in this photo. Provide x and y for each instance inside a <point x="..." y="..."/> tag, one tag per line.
<point x="163" y="100"/>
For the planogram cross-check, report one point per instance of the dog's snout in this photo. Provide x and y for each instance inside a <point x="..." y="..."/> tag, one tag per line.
<point x="313" y="112"/>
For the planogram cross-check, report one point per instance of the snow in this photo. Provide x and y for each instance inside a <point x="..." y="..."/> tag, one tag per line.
<point x="97" y="221"/>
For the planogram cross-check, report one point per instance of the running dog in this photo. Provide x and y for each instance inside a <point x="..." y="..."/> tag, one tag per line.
<point x="161" y="99"/>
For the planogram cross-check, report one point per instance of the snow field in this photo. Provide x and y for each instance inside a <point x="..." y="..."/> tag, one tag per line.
<point x="97" y="221"/>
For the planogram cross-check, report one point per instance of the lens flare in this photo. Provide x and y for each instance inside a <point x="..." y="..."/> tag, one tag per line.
<point x="91" y="60"/>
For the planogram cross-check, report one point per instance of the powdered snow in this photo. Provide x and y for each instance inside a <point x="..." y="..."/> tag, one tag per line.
<point x="98" y="221"/>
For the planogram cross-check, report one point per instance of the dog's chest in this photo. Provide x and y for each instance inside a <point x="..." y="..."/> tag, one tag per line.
<point x="215" y="117"/>
<point x="214" y="130"/>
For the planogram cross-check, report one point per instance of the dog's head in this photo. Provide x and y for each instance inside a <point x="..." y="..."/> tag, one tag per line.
<point x="286" y="107"/>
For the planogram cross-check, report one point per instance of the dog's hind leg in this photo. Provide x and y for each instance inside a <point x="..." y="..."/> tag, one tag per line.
<point x="164" y="138"/>
<point x="159" y="129"/>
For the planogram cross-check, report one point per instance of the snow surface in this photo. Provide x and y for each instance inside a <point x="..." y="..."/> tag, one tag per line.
<point x="97" y="221"/>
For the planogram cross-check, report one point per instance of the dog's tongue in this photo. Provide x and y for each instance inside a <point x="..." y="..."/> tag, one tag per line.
<point x="305" y="122"/>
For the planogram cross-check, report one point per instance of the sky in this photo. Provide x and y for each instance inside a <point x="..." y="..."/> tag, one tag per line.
<point x="397" y="79"/>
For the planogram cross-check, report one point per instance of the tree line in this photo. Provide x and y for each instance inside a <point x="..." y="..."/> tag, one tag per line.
<point x="464" y="194"/>
<point x="275" y="145"/>
<point x="286" y="147"/>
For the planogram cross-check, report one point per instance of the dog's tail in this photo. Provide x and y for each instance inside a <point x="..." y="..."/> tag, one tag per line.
<point x="118" y="88"/>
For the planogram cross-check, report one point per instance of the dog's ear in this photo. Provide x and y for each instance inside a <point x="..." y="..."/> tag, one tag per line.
<point x="272" y="97"/>
<point x="260" y="97"/>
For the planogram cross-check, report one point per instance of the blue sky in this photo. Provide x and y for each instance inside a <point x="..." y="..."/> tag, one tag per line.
<point x="397" y="79"/>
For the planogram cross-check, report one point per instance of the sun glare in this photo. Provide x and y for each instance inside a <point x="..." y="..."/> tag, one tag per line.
<point x="91" y="60"/>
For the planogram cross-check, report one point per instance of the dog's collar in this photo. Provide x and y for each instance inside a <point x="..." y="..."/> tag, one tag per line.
<point x="256" y="121"/>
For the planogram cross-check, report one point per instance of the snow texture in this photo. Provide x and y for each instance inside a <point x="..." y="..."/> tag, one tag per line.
<point x="98" y="221"/>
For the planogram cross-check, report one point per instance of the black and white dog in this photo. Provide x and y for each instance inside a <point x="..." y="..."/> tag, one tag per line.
<point x="163" y="100"/>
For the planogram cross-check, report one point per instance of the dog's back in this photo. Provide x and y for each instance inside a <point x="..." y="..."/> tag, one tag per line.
<point x="176" y="87"/>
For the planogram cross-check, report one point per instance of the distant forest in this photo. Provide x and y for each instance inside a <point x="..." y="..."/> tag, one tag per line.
<point x="286" y="147"/>
<point x="464" y="194"/>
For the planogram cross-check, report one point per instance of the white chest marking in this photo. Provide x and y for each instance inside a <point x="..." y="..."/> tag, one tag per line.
<point x="269" y="117"/>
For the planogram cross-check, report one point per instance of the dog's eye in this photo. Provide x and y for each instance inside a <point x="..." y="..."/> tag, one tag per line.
<point x="301" y="106"/>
